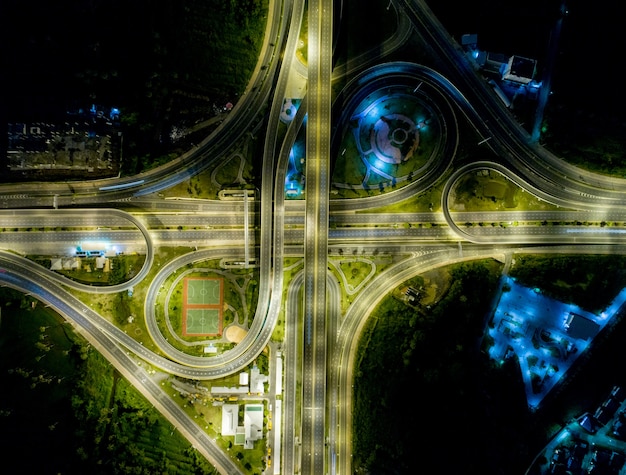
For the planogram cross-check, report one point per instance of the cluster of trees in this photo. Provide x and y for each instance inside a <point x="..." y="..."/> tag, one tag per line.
<point x="589" y="281"/>
<point x="200" y="56"/>
<point x="119" y="432"/>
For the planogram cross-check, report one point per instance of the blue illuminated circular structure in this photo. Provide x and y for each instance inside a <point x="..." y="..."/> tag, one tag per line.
<point x="395" y="134"/>
<point x="395" y="128"/>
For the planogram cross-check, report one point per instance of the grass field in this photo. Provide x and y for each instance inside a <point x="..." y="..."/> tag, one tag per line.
<point x="203" y="291"/>
<point x="488" y="190"/>
<point x="203" y="302"/>
<point x="202" y="321"/>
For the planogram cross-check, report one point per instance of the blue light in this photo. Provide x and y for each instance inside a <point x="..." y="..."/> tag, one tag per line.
<point x="292" y="189"/>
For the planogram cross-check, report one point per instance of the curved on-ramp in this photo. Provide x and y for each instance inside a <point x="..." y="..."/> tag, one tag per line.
<point x="78" y="213"/>
<point x="601" y="237"/>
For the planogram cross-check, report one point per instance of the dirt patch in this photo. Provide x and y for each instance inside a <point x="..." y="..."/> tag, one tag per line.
<point x="235" y="334"/>
<point x="436" y="284"/>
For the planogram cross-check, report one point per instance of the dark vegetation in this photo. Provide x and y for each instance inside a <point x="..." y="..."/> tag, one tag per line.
<point x="165" y="65"/>
<point x="357" y="36"/>
<point x="587" y="137"/>
<point x="64" y="409"/>
<point x="426" y="396"/>
<point x="586" y="115"/>
<point x="589" y="281"/>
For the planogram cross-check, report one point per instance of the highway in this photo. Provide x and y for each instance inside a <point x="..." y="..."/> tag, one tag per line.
<point x="86" y="322"/>
<point x="318" y="144"/>
<point x="27" y="231"/>
<point x="320" y="341"/>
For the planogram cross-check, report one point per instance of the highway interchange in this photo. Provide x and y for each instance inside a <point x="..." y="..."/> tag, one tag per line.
<point x="319" y="343"/>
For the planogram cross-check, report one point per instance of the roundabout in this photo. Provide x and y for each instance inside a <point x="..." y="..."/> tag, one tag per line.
<point x="391" y="134"/>
<point x="396" y="134"/>
<point x="393" y="138"/>
<point x="395" y="128"/>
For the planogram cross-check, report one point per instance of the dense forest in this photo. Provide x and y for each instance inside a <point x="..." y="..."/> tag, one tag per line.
<point x="589" y="281"/>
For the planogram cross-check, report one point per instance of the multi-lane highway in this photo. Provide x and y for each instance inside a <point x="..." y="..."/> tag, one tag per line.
<point x="320" y="341"/>
<point x="313" y="410"/>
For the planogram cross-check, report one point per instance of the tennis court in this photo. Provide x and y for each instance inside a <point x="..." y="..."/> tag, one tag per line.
<point x="203" y="304"/>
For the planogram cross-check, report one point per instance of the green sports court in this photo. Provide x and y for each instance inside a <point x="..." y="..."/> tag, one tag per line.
<point x="203" y="304"/>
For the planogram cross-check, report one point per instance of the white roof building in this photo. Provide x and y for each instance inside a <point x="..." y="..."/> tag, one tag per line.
<point x="56" y="264"/>
<point x="230" y="419"/>
<point x="520" y="69"/>
<point x="257" y="381"/>
<point x="253" y="424"/>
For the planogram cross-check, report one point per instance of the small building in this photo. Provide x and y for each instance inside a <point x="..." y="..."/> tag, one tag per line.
<point x="491" y="62"/>
<point x="253" y="424"/>
<point x="230" y="419"/>
<point x="617" y="461"/>
<point x="618" y="393"/>
<point x="619" y="427"/>
<point x="589" y="423"/>
<point x="604" y="415"/>
<point x="580" y="327"/>
<point x="520" y="70"/>
<point x="225" y="390"/>
<point x="412" y="294"/>
<point x="257" y="380"/>
<point x="611" y="405"/>
<point x="469" y="40"/>
<point x="73" y="263"/>
<point x="56" y="264"/>
<point x="184" y="388"/>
